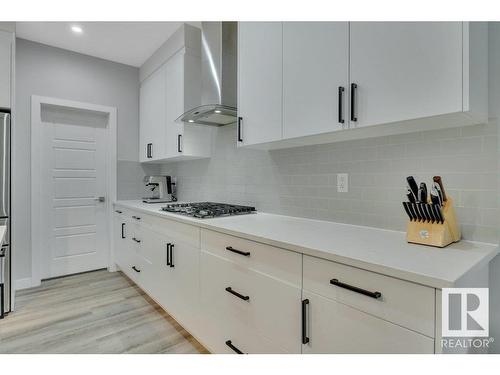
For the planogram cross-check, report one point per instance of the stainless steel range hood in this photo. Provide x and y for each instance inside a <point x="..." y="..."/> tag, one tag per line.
<point x="218" y="74"/>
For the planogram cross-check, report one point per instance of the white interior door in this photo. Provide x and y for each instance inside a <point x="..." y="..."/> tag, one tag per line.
<point x="73" y="176"/>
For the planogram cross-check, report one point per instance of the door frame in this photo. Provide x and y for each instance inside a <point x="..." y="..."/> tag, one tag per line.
<point x="36" y="130"/>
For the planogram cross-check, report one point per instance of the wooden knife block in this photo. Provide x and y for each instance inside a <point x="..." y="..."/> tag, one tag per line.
<point x="436" y="234"/>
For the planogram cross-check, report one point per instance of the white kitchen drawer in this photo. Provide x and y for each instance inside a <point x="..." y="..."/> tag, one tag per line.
<point x="281" y="264"/>
<point x="407" y="304"/>
<point x="333" y="327"/>
<point x="221" y="329"/>
<point x="272" y="307"/>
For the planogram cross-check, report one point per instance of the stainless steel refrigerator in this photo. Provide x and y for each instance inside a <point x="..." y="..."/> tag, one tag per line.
<point x="5" y="254"/>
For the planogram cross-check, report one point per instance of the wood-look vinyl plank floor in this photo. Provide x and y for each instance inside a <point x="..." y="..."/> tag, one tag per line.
<point x="95" y="312"/>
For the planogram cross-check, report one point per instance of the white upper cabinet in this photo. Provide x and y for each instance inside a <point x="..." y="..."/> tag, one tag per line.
<point x="260" y="82"/>
<point x="171" y="85"/>
<point x="5" y="68"/>
<point x="405" y="70"/>
<point x="153" y="116"/>
<point x="315" y="77"/>
<point x="298" y="81"/>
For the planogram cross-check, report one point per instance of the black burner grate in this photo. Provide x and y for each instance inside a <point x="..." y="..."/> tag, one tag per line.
<point x="204" y="210"/>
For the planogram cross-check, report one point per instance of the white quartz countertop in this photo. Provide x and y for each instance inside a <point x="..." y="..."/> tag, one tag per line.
<point x="377" y="250"/>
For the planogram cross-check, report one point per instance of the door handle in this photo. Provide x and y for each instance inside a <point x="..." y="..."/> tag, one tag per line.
<point x="136" y="269"/>
<point x="354" y="87"/>
<point x="305" y="339"/>
<point x="101" y="200"/>
<point x="179" y="143"/>
<point x="168" y="253"/>
<point x="172" y="255"/>
<point x="341" y="105"/>
<point x="240" y="120"/>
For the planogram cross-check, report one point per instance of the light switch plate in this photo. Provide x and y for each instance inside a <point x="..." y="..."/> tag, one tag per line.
<point x="342" y="182"/>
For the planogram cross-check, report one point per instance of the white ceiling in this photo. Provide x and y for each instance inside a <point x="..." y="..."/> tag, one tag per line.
<point x="128" y="43"/>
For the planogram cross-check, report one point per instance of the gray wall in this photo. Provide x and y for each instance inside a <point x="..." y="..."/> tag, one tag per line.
<point x="49" y="71"/>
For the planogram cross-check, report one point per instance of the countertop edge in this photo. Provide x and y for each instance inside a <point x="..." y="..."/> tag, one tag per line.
<point x="425" y="280"/>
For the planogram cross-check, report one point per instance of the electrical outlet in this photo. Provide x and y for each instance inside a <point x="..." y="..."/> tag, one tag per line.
<point x="342" y="182"/>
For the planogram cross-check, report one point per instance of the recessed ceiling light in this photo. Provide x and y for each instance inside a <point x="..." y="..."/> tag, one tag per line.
<point x="76" y="29"/>
<point x="217" y="111"/>
<point x="190" y="120"/>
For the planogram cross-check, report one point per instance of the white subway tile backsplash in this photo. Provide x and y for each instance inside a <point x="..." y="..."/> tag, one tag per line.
<point x="302" y="181"/>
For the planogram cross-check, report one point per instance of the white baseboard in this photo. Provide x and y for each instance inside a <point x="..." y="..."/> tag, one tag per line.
<point x="23" y="283"/>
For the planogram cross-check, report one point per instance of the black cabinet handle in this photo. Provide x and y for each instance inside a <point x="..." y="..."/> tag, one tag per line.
<point x="118" y="211"/>
<point x="179" y="141"/>
<point x="168" y="253"/>
<point x="235" y="349"/>
<point x="230" y="290"/>
<point x="123" y="230"/>
<point x="305" y="339"/>
<point x="240" y="120"/>
<point x="365" y="292"/>
<point x="136" y="217"/>
<point x="232" y="249"/>
<point x="135" y="269"/>
<point x="149" y="151"/>
<point x="172" y="255"/>
<point x="341" y="106"/>
<point x="136" y="240"/>
<point x="353" y="102"/>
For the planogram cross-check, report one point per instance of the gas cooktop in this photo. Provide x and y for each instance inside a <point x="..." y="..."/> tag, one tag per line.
<point x="203" y="210"/>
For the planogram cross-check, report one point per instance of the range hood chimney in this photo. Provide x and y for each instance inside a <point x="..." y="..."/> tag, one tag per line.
<point x="218" y="75"/>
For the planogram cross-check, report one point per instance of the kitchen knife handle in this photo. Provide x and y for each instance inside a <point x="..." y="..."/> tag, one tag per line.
<point x="439" y="181"/>
<point x="353" y="102"/>
<point x="341" y="102"/>
<point x="405" y="205"/>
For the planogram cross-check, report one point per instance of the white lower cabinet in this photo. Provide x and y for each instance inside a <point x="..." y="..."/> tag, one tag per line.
<point x="174" y="274"/>
<point x="332" y="327"/>
<point x="239" y="296"/>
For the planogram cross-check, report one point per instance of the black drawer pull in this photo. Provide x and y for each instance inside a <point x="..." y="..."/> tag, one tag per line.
<point x="179" y="143"/>
<point x="305" y="339"/>
<point x="136" y="240"/>
<point x="118" y="211"/>
<point x="354" y="87"/>
<point x="236" y="350"/>
<point x="244" y="253"/>
<point x="365" y="292"/>
<point x="123" y="230"/>
<point x="136" y="217"/>
<point x="240" y="120"/>
<point x="341" y="105"/>
<point x="230" y="290"/>
<point x="172" y="255"/>
<point x="168" y="253"/>
<point x="135" y="269"/>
